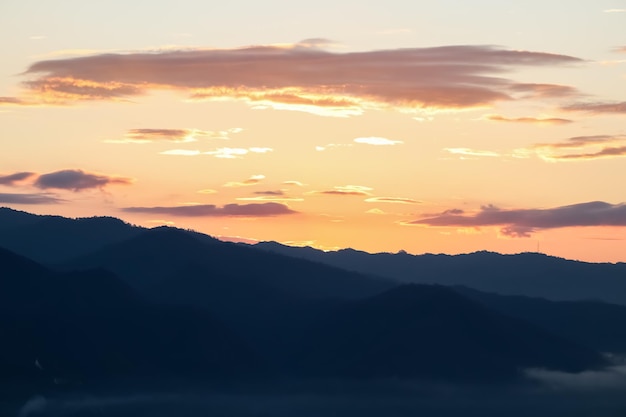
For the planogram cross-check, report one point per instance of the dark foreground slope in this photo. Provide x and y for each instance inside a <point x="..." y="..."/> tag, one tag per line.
<point x="88" y="326"/>
<point x="530" y="274"/>
<point x="431" y="332"/>
<point x="601" y="326"/>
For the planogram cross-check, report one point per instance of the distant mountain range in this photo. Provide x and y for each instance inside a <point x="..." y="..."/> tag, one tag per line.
<point x="85" y="300"/>
<point x="530" y="274"/>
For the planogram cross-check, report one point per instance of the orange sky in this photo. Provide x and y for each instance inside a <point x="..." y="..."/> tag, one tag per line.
<point x="442" y="127"/>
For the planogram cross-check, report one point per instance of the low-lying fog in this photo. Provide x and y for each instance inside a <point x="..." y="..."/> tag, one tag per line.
<point x="591" y="394"/>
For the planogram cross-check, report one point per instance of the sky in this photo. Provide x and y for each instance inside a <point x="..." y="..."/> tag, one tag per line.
<point x="428" y="127"/>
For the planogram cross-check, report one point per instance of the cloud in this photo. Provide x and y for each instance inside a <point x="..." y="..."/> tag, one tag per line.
<point x="11" y="179"/>
<point x="296" y="183"/>
<point x="254" y="179"/>
<point x="270" y="192"/>
<point x="532" y="120"/>
<point x="470" y="152"/>
<point x="231" y="153"/>
<point x="617" y="107"/>
<point x="615" y="11"/>
<point x="332" y="146"/>
<point x="607" y="152"/>
<point x="270" y="198"/>
<point x="300" y="76"/>
<point x="225" y="153"/>
<point x="207" y="191"/>
<point x="523" y="222"/>
<point x="171" y="135"/>
<point x="210" y="210"/>
<point x="585" y="148"/>
<point x="7" y="198"/>
<point x="377" y="141"/>
<point x="397" y="200"/>
<point x="78" y="180"/>
<point x="534" y="90"/>
<point x="345" y="190"/>
<point x="375" y="211"/>
<point x="15" y="101"/>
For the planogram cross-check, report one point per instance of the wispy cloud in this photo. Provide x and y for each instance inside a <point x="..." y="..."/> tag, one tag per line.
<point x="29" y="199"/>
<point x="17" y="177"/>
<point x="301" y="77"/>
<point x="207" y="191"/>
<point x="296" y="183"/>
<point x="172" y="135"/>
<point x="78" y="180"/>
<point x="270" y="192"/>
<point x="523" y="222"/>
<point x="618" y="107"/>
<point x="224" y="153"/>
<point x="615" y="11"/>
<point x="396" y="200"/>
<point x="377" y="141"/>
<point x="210" y="210"/>
<point x="346" y="190"/>
<point x="583" y="148"/>
<point x="531" y="120"/>
<point x="332" y="146"/>
<point x="253" y="180"/>
<point x="464" y="152"/>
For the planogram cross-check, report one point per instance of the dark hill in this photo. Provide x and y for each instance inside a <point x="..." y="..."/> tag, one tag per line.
<point x="51" y="239"/>
<point x="418" y="331"/>
<point x="156" y="258"/>
<point x="89" y="325"/>
<point x="601" y="326"/>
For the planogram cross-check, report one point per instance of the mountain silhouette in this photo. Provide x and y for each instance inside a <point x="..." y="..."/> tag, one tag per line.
<point x="172" y="303"/>
<point x="530" y="274"/>
<point x="52" y="239"/>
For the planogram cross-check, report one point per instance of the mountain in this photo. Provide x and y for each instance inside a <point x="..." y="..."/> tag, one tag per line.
<point x="155" y="259"/>
<point x="529" y="274"/>
<point x="599" y="325"/>
<point x="167" y="302"/>
<point x="432" y="332"/>
<point x="51" y="239"/>
<point x="88" y="325"/>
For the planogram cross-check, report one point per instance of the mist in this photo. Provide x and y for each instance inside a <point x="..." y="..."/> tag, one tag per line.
<point x="588" y="394"/>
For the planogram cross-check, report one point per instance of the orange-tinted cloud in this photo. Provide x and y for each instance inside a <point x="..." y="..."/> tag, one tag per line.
<point x="618" y="107"/>
<point x="607" y="152"/>
<point x="523" y="222"/>
<point x="171" y="135"/>
<point x="270" y="192"/>
<point x="397" y="200"/>
<point x="533" y="120"/>
<point x="378" y="141"/>
<point x="78" y="180"/>
<point x="345" y="190"/>
<point x="12" y="179"/>
<point x="210" y="210"/>
<point x="583" y="148"/>
<point x="464" y="152"/>
<point x="29" y="199"/>
<point x="449" y="77"/>
<point x="253" y="180"/>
